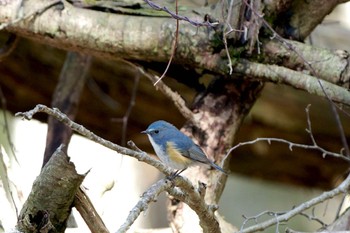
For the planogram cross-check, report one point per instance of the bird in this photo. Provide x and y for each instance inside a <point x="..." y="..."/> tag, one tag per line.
<point x="174" y="148"/>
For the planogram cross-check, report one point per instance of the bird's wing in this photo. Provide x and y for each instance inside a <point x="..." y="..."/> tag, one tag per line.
<point x="196" y="153"/>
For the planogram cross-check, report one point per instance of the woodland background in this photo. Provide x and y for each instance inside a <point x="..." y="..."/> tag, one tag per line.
<point x="30" y="75"/>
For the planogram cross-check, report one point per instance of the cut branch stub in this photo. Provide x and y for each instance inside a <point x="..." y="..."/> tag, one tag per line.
<point x="49" y="203"/>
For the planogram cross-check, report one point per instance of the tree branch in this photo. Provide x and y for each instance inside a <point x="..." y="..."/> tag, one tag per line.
<point x="147" y="197"/>
<point x="193" y="198"/>
<point x="342" y="188"/>
<point x="279" y="74"/>
<point x="56" y="113"/>
<point x="87" y="211"/>
<point x="330" y="66"/>
<point x="42" y="212"/>
<point x="142" y="42"/>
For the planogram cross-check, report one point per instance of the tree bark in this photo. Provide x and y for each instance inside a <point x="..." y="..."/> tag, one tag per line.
<point x="150" y="38"/>
<point x="49" y="203"/>
<point x="219" y="112"/>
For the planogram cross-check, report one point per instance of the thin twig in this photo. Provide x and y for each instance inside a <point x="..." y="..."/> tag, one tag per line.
<point x="256" y="217"/>
<point x="173" y="95"/>
<point x="291" y="145"/>
<point x="174" y="46"/>
<point x="313" y="72"/>
<point x="314" y="146"/>
<point x="56" y="113"/>
<point x="313" y="218"/>
<point x="179" y="17"/>
<point x="147" y="197"/>
<point x="132" y="102"/>
<point x="342" y="188"/>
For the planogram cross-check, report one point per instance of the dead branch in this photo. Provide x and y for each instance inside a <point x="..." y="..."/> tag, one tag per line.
<point x="42" y="212"/>
<point x="92" y="219"/>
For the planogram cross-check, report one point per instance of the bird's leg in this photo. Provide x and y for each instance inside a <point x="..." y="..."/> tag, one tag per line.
<point x="176" y="173"/>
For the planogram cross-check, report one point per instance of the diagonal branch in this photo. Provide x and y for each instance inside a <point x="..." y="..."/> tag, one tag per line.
<point x="147" y="197"/>
<point x="342" y="188"/>
<point x="193" y="197"/>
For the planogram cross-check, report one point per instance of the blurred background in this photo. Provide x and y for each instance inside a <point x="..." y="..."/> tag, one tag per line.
<point x="264" y="177"/>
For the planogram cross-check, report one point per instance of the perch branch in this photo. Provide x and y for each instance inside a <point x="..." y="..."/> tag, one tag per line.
<point x="141" y="156"/>
<point x="147" y="197"/>
<point x="205" y="212"/>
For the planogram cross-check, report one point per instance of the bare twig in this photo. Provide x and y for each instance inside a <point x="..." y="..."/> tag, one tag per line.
<point x="256" y="217"/>
<point x="342" y="188"/>
<point x="179" y="17"/>
<point x="56" y="113"/>
<point x="291" y="145"/>
<point x="192" y="197"/>
<point x="314" y="146"/>
<point x="313" y="72"/>
<point x="312" y="217"/>
<point x="174" y="96"/>
<point x="147" y="197"/>
<point x="132" y="103"/>
<point x="174" y="46"/>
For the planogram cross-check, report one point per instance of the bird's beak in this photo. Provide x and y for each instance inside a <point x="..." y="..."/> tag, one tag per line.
<point x="146" y="132"/>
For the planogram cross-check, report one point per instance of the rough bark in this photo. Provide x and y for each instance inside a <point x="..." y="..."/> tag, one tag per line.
<point x="219" y="112"/>
<point x="150" y="39"/>
<point x="49" y="203"/>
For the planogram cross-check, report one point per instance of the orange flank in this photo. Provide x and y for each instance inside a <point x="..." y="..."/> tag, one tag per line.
<point x="176" y="156"/>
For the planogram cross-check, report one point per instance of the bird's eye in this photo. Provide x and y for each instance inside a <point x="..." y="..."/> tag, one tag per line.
<point x="156" y="131"/>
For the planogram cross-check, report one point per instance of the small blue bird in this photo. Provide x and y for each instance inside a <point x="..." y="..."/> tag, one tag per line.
<point x="174" y="148"/>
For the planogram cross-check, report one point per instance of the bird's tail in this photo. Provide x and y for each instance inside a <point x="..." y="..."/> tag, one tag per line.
<point x="217" y="167"/>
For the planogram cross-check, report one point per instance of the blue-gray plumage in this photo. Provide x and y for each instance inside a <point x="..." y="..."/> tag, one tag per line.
<point x="174" y="148"/>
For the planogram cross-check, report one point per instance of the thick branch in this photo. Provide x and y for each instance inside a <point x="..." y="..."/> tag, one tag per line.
<point x="112" y="35"/>
<point x="49" y="213"/>
<point x="148" y="39"/>
<point x="194" y="199"/>
<point x="306" y="82"/>
<point x="330" y="66"/>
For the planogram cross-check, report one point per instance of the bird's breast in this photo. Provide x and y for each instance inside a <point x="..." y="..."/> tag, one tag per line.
<point x="176" y="159"/>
